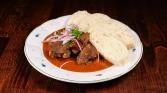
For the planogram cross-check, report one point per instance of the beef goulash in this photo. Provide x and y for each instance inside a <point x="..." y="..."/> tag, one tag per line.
<point x="89" y="42"/>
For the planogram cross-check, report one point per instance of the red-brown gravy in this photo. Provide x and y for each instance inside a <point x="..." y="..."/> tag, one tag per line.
<point x="71" y="65"/>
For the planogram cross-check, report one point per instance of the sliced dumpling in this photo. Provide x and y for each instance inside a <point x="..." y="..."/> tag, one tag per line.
<point x="116" y="30"/>
<point x="99" y="18"/>
<point x="110" y="48"/>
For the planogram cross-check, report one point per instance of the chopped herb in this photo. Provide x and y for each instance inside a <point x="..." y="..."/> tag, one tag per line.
<point x="75" y="32"/>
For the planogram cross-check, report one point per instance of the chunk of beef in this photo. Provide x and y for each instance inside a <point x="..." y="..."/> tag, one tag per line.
<point x="84" y="38"/>
<point x="67" y="54"/>
<point x="74" y="47"/>
<point x="59" y="50"/>
<point x="87" y="55"/>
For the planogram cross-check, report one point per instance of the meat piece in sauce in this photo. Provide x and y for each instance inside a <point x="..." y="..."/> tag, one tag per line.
<point x="59" y="50"/>
<point x="87" y="55"/>
<point x="74" y="48"/>
<point x="84" y="38"/>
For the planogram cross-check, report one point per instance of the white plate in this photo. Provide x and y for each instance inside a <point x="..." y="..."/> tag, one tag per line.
<point x="34" y="54"/>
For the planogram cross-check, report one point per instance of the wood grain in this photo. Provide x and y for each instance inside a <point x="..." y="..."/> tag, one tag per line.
<point x="147" y="17"/>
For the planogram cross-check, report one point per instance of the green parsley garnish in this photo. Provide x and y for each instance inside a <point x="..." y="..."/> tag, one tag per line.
<point x="75" y="32"/>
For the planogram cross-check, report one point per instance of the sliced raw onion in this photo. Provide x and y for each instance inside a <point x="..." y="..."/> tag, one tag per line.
<point x="65" y="33"/>
<point x="78" y="44"/>
<point x="67" y="39"/>
<point x="98" y="57"/>
<point x="65" y="63"/>
<point x="64" y="36"/>
<point x="75" y="26"/>
<point x="68" y="29"/>
<point x="48" y="39"/>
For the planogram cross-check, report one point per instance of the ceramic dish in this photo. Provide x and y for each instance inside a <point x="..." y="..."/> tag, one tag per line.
<point x="34" y="54"/>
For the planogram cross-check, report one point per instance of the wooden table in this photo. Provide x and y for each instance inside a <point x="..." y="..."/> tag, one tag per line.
<point x="147" y="17"/>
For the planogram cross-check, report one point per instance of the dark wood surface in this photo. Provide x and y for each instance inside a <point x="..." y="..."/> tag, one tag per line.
<point x="147" y="17"/>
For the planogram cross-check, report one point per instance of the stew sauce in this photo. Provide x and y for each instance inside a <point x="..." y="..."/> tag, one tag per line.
<point x="71" y="62"/>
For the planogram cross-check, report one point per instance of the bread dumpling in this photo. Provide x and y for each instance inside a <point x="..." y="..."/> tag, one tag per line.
<point x="116" y="30"/>
<point x="110" y="48"/>
<point x="108" y="36"/>
<point x="96" y="18"/>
